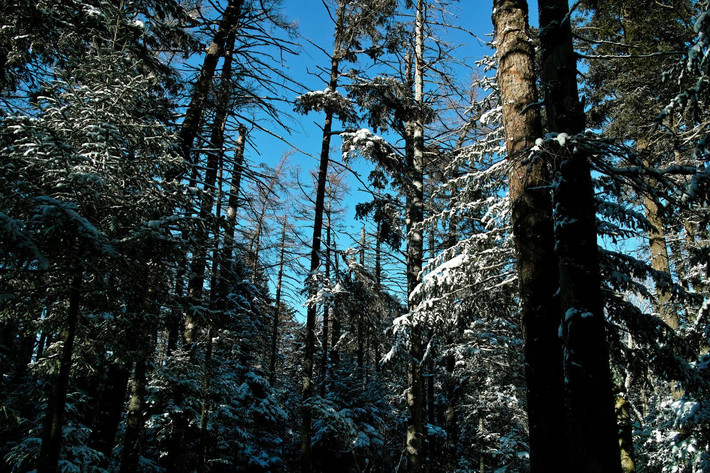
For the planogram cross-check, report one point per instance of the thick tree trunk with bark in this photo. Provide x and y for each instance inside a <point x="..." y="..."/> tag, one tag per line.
<point x="529" y="181"/>
<point x="659" y="251"/>
<point x="591" y="423"/>
<point x="56" y="401"/>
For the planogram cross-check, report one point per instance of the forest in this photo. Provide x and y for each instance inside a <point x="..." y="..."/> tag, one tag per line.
<point x="413" y="258"/>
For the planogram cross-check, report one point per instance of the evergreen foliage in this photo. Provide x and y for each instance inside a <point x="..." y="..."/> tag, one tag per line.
<point x="157" y="308"/>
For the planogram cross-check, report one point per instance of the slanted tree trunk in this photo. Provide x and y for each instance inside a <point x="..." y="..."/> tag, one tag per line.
<point x="56" y="401"/>
<point x="188" y="132"/>
<point x="415" y="255"/>
<point x="232" y="206"/>
<point x="533" y="234"/>
<point x="591" y="424"/>
<point x="195" y="110"/>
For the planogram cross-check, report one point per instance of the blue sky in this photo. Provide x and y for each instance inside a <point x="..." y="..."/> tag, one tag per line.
<point x="315" y="25"/>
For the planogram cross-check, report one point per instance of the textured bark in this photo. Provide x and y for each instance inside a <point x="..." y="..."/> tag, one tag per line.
<point x="415" y="255"/>
<point x="591" y="423"/>
<point x="626" y="439"/>
<point x="659" y="253"/>
<point x="56" y="402"/>
<point x="533" y="234"/>
<point x="659" y="261"/>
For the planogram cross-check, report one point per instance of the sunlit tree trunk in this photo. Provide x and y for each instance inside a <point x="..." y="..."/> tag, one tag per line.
<point x="659" y="254"/>
<point x="626" y="439"/>
<point x="415" y="255"/>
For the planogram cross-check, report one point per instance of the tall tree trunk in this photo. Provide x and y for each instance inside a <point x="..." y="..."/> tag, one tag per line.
<point x="54" y="416"/>
<point x="326" y="314"/>
<point x="222" y="45"/>
<point x="335" y="320"/>
<point x="378" y="281"/>
<point x="361" y="317"/>
<point x="309" y="349"/>
<point x="415" y="255"/>
<point x="277" y="311"/>
<point x="659" y="252"/>
<point x="533" y="234"/>
<point x="204" y="415"/>
<point x="591" y="425"/>
<point x="195" y="110"/>
<point x="143" y="344"/>
<point x="232" y="206"/>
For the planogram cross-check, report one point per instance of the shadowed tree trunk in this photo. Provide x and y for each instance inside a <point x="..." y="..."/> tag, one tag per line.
<point x="195" y="110"/>
<point x="188" y="132"/>
<point x="56" y="401"/>
<point x="591" y="424"/>
<point x="277" y="311"/>
<point x="308" y="356"/>
<point x="134" y="418"/>
<point x="326" y="314"/>
<point x="109" y="410"/>
<point x="533" y="233"/>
